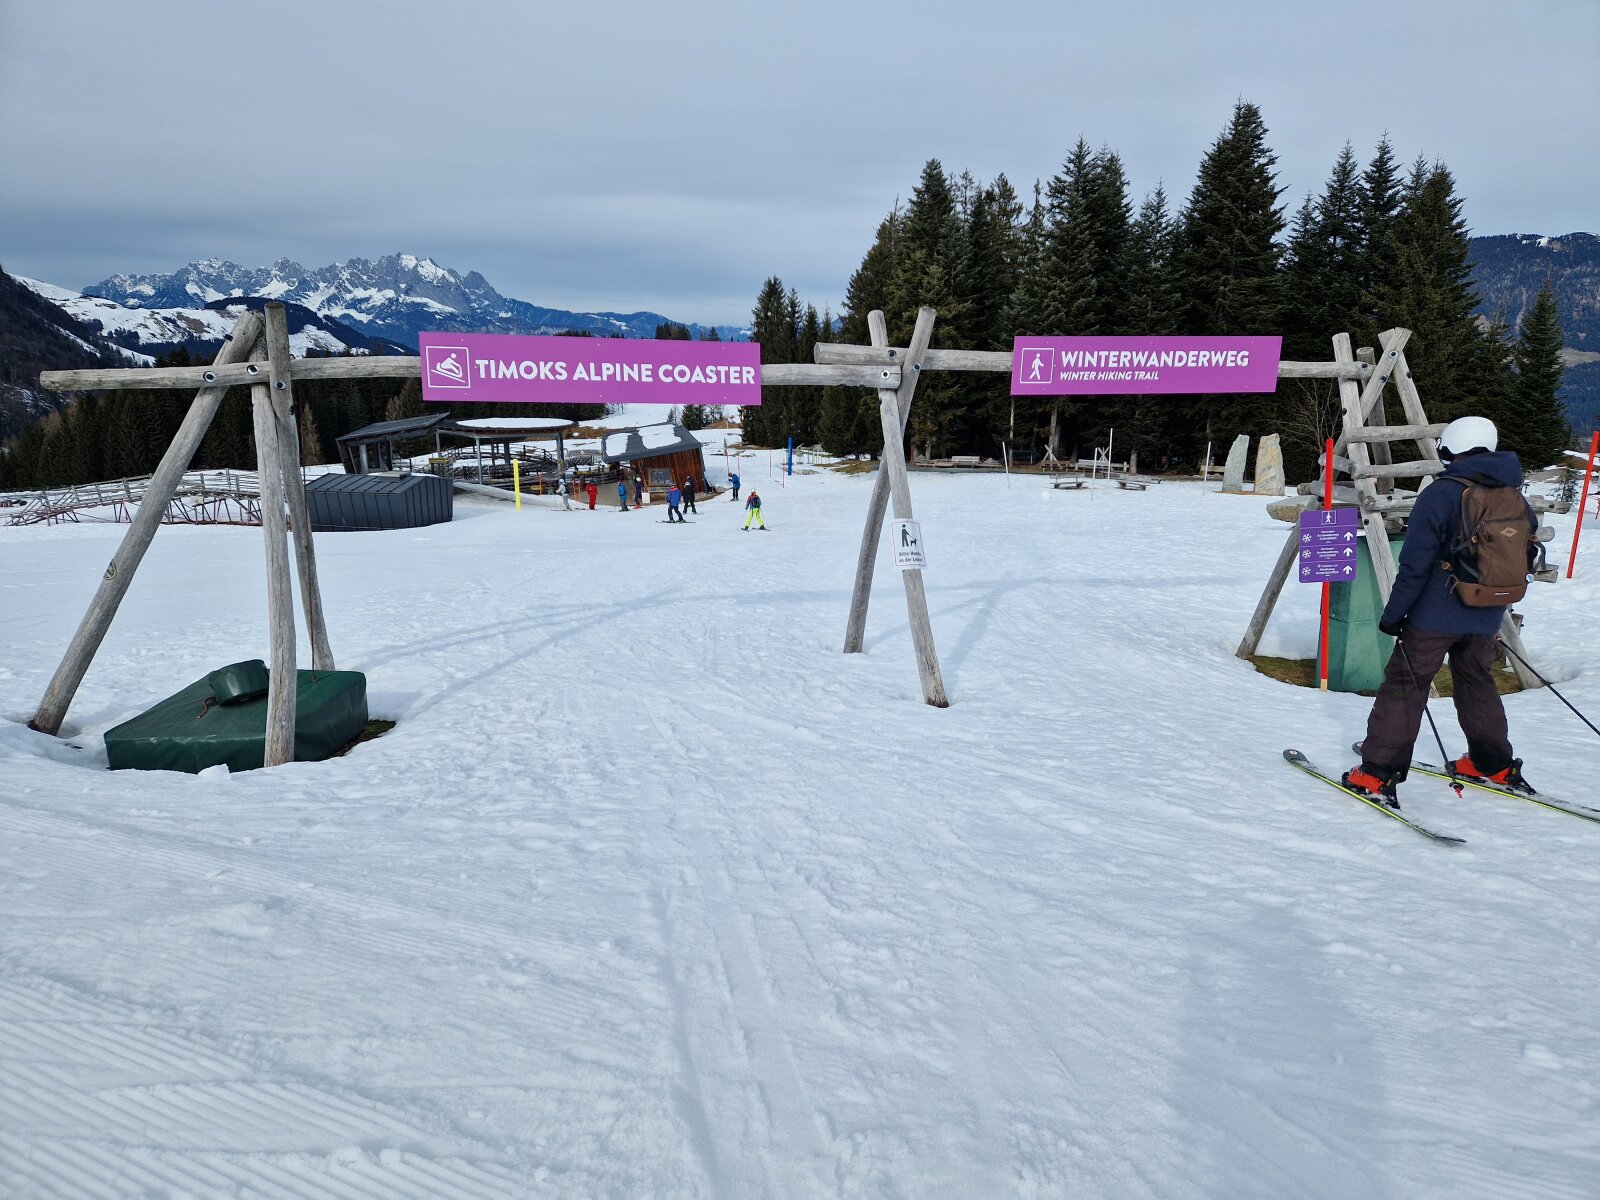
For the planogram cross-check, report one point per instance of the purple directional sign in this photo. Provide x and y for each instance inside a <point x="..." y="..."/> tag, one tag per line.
<point x="1328" y="542"/>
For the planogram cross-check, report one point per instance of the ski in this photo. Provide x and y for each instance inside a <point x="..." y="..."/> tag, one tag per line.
<point x="1582" y="811"/>
<point x="1298" y="760"/>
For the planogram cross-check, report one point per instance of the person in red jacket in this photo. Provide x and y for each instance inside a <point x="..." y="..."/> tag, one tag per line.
<point x="592" y="492"/>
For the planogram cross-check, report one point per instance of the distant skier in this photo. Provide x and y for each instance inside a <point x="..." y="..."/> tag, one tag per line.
<point x="565" y="493"/>
<point x="674" y="499"/>
<point x="752" y="511"/>
<point x="1436" y="608"/>
<point x="733" y="482"/>
<point x="592" y="492"/>
<point x="622" y="494"/>
<point x="638" y="491"/>
<point x="688" y="496"/>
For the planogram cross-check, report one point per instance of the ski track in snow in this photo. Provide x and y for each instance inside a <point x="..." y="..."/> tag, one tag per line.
<point x="651" y="892"/>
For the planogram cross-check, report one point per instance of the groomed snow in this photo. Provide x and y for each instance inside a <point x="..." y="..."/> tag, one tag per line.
<point x="652" y="892"/>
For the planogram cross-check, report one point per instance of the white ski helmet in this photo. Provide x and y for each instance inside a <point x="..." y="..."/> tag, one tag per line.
<point x="1465" y="434"/>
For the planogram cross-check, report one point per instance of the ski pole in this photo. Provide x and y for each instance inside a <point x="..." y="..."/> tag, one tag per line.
<point x="1549" y="685"/>
<point x="1450" y="763"/>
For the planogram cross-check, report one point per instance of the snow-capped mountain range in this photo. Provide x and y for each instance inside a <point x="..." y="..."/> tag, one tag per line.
<point x="392" y="297"/>
<point x="141" y="332"/>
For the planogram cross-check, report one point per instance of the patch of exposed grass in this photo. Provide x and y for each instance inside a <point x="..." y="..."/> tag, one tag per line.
<point x="1302" y="672"/>
<point x="372" y="729"/>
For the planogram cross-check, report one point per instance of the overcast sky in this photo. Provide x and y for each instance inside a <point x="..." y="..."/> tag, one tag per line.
<point x="669" y="157"/>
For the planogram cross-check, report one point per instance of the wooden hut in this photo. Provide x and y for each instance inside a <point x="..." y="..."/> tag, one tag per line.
<point x="663" y="454"/>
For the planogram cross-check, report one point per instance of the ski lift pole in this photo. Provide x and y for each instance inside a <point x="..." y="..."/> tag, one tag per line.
<point x="516" y="481"/>
<point x="1327" y="588"/>
<point x="1577" y="527"/>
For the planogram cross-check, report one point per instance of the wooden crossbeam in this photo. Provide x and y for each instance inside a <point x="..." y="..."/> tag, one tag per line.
<point x="840" y="353"/>
<point x="1399" y="470"/>
<point x="400" y="366"/>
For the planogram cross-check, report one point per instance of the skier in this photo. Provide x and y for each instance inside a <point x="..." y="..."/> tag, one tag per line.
<point x="622" y="494"/>
<point x="565" y="493"/>
<point x="752" y="511"/>
<point x="592" y="492"/>
<point x="638" y="491"/>
<point x="688" y="496"/>
<point x="1429" y="620"/>
<point x="674" y="499"/>
<point x="733" y="482"/>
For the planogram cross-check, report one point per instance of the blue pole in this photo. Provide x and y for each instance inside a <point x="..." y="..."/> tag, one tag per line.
<point x="788" y="466"/>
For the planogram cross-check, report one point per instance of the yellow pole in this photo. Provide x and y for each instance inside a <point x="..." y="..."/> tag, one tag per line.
<point x="516" y="481"/>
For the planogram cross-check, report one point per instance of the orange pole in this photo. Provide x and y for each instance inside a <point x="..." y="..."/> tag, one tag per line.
<point x="1327" y="588"/>
<point x="1588" y="473"/>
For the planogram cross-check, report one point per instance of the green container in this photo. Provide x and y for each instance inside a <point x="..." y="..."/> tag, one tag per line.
<point x="1357" y="651"/>
<point x="239" y="681"/>
<point x="190" y="731"/>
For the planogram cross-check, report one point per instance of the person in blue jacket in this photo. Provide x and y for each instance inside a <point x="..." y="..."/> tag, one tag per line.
<point x="674" y="499"/>
<point x="622" y="494"/>
<point x="733" y="481"/>
<point x="1430" y="623"/>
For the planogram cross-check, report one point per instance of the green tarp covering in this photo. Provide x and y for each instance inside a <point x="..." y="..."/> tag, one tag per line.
<point x="190" y="731"/>
<point x="1357" y="651"/>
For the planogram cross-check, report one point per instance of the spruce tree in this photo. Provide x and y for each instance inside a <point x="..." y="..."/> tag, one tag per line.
<point x="1540" y="430"/>
<point x="773" y="329"/>
<point x="1429" y="291"/>
<point x="1226" y="261"/>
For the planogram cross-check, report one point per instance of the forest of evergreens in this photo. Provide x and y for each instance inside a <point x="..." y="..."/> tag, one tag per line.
<point x="1381" y="245"/>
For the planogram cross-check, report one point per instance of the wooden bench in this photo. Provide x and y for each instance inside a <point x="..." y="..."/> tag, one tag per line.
<point x="965" y="460"/>
<point x="1067" y="481"/>
<point x="1135" y="483"/>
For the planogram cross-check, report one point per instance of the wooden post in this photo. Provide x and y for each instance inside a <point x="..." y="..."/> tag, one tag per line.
<point x="119" y="573"/>
<point x="893" y="412"/>
<point x="283" y="686"/>
<point x="294" y="487"/>
<point x="1287" y="557"/>
<point x="855" y="630"/>
<point x="1356" y="402"/>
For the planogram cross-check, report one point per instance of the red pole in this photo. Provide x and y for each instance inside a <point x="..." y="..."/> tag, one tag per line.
<point x="1588" y="473"/>
<point x="1327" y="588"/>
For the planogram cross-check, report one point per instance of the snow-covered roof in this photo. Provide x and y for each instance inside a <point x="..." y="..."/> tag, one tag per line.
<point x="625" y="445"/>
<point x="513" y="424"/>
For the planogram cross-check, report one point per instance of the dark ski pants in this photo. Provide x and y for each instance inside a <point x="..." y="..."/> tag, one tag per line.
<point x="1396" y="716"/>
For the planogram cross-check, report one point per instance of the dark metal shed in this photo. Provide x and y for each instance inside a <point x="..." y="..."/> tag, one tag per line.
<point x="344" y="502"/>
<point x="371" y="448"/>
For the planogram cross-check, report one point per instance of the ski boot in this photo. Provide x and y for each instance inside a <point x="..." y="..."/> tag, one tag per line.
<point x="1379" y="786"/>
<point x="1510" y="777"/>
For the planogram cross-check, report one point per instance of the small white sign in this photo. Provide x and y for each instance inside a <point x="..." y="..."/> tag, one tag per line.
<point x="906" y="537"/>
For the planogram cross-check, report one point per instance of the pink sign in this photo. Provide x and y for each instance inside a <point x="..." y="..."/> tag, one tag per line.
<point x="1064" y="366"/>
<point x="507" y="368"/>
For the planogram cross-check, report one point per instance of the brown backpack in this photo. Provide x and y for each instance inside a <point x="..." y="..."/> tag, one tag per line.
<point x="1496" y="548"/>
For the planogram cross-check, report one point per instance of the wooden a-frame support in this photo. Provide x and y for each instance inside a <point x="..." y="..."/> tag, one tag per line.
<point x="1363" y="454"/>
<point x="256" y="339"/>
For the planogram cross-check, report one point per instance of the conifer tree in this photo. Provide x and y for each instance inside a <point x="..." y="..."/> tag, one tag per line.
<point x="773" y="329"/>
<point x="848" y="422"/>
<point x="1380" y="204"/>
<point x="1429" y="291"/>
<point x="1539" y="429"/>
<point x="1226" y="260"/>
<point x="1324" y="295"/>
<point x="928" y="253"/>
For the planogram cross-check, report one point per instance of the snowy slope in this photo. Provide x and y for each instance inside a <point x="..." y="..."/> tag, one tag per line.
<point x="651" y="892"/>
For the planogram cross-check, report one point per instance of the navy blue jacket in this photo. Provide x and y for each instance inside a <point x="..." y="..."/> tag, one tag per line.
<point x="1422" y="595"/>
